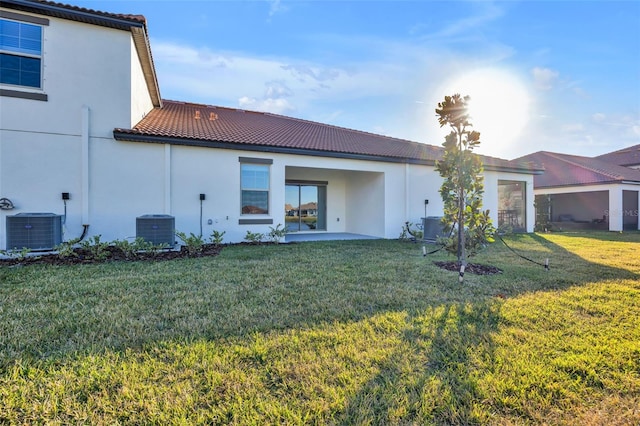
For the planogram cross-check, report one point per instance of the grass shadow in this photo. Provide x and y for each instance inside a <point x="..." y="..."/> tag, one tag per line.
<point x="271" y="309"/>
<point x="53" y="312"/>
<point x="431" y="378"/>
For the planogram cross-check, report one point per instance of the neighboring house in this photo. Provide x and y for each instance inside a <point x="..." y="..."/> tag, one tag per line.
<point x="85" y="134"/>
<point x="589" y="193"/>
<point x="628" y="157"/>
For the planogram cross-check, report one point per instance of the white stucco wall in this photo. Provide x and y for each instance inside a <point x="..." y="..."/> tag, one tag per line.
<point x="84" y="66"/>
<point x="140" y="101"/>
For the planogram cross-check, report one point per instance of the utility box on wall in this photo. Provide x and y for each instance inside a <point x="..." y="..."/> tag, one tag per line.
<point x="35" y="231"/>
<point x="156" y="228"/>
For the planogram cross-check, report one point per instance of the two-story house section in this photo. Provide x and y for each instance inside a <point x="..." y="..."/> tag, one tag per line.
<point x="68" y="76"/>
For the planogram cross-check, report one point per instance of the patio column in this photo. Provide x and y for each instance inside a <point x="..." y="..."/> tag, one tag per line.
<point x="615" y="209"/>
<point x="638" y="211"/>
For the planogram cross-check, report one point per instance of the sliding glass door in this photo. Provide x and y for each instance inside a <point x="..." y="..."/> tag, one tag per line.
<point x="305" y="207"/>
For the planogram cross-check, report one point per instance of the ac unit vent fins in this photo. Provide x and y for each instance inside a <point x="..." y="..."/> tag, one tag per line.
<point x="156" y="229"/>
<point x="35" y="231"/>
<point x="432" y="228"/>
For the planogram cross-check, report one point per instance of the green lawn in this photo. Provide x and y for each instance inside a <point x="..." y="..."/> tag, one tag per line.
<point x="350" y="332"/>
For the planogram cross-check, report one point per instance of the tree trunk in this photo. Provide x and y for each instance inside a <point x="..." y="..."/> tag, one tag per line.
<point x="462" y="255"/>
<point x="462" y="252"/>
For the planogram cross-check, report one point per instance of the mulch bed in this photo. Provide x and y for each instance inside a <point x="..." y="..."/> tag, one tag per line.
<point x="472" y="268"/>
<point x="82" y="256"/>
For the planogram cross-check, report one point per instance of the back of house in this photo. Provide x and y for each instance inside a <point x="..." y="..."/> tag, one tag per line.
<point x="88" y="147"/>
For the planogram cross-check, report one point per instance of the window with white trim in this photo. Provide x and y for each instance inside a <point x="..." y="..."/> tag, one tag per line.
<point x="20" y="54"/>
<point x="254" y="184"/>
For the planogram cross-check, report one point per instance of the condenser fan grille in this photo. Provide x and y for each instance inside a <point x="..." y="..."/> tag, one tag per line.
<point x="35" y="231"/>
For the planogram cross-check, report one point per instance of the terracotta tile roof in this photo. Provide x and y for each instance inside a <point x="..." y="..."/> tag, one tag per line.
<point x="624" y="157"/>
<point x="571" y="170"/>
<point x="207" y="125"/>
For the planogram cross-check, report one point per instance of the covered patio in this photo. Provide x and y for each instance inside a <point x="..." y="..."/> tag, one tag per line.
<point x="325" y="236"/>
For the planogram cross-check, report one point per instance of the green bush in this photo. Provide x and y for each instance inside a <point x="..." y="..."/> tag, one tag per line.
<point x="254" y="237"/>
<point x="276" y="234"/>
<point x="96" y="249"/>
<point x="217" y="237"/>
<point x="193" y="243"/>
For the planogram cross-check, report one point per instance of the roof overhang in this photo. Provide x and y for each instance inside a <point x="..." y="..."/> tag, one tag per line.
<point x="126" y="136"/>
<point x="143" y="48"/>
<point x="74" y="14"/>
<point x="585" y="184"/>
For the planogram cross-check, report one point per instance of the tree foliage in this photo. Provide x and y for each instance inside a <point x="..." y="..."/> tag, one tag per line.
<point x="463" y="185"/>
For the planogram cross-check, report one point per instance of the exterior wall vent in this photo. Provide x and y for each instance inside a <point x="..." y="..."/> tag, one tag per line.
<point x="156" y="228"/>
<point x="35" y="231"/>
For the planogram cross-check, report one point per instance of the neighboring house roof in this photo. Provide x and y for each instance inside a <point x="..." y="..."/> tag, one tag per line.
<point x="219" y="127"/>
<point x="309" y="206"/>
<point x="573" y="170"/>
<point x="624" y="157"/>
<point x="137" y="24"/>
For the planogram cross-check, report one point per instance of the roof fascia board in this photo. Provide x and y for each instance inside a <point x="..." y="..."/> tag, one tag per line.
<point x="614" y="182"/>
<point x="143" y="49"/>
<point x="518" y="170"/>
<point x="67" y="13"/>
<point x="129" y="137"/>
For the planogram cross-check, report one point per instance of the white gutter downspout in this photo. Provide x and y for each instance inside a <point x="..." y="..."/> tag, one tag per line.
<point x="2" y="224"/>
<point x="167" y="178"/>
<point x="84" y="140"/>
<point x="407" y="192"/>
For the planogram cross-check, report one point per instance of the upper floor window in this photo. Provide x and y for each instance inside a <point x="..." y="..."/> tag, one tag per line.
<point x="20" y="53"/>
<point x="254" y="182"/>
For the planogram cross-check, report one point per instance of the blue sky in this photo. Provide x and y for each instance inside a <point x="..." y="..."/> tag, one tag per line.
<point x="544" y="75"/>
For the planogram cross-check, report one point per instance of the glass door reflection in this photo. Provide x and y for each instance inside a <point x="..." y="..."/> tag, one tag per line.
<point x="305" y="207"/>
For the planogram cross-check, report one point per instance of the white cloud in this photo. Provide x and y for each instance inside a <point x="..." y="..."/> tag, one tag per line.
<point x="274" y="105"/>
<point x="302" y="72"/>
<point x="277" y="89"/>
<point x="573" y="128"/>
<point x="581" y="93"/>
<point x="371" y="93"/>
<point x="544" y="78"/>
<point x="465" y="26"/>
<point x="208" y="76"/>
<point x="276" y="6"/>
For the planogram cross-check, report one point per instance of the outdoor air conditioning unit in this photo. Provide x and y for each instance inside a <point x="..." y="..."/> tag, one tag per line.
<point x="35" y="231"/>
<point x="432" y="228"/>
<point x="156" y="228"/>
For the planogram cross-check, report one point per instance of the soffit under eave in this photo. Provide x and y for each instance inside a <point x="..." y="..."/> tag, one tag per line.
<point x="143" y="49"/>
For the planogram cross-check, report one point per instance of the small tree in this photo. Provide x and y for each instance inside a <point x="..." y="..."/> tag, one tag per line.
<point x="463" y="185"/>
